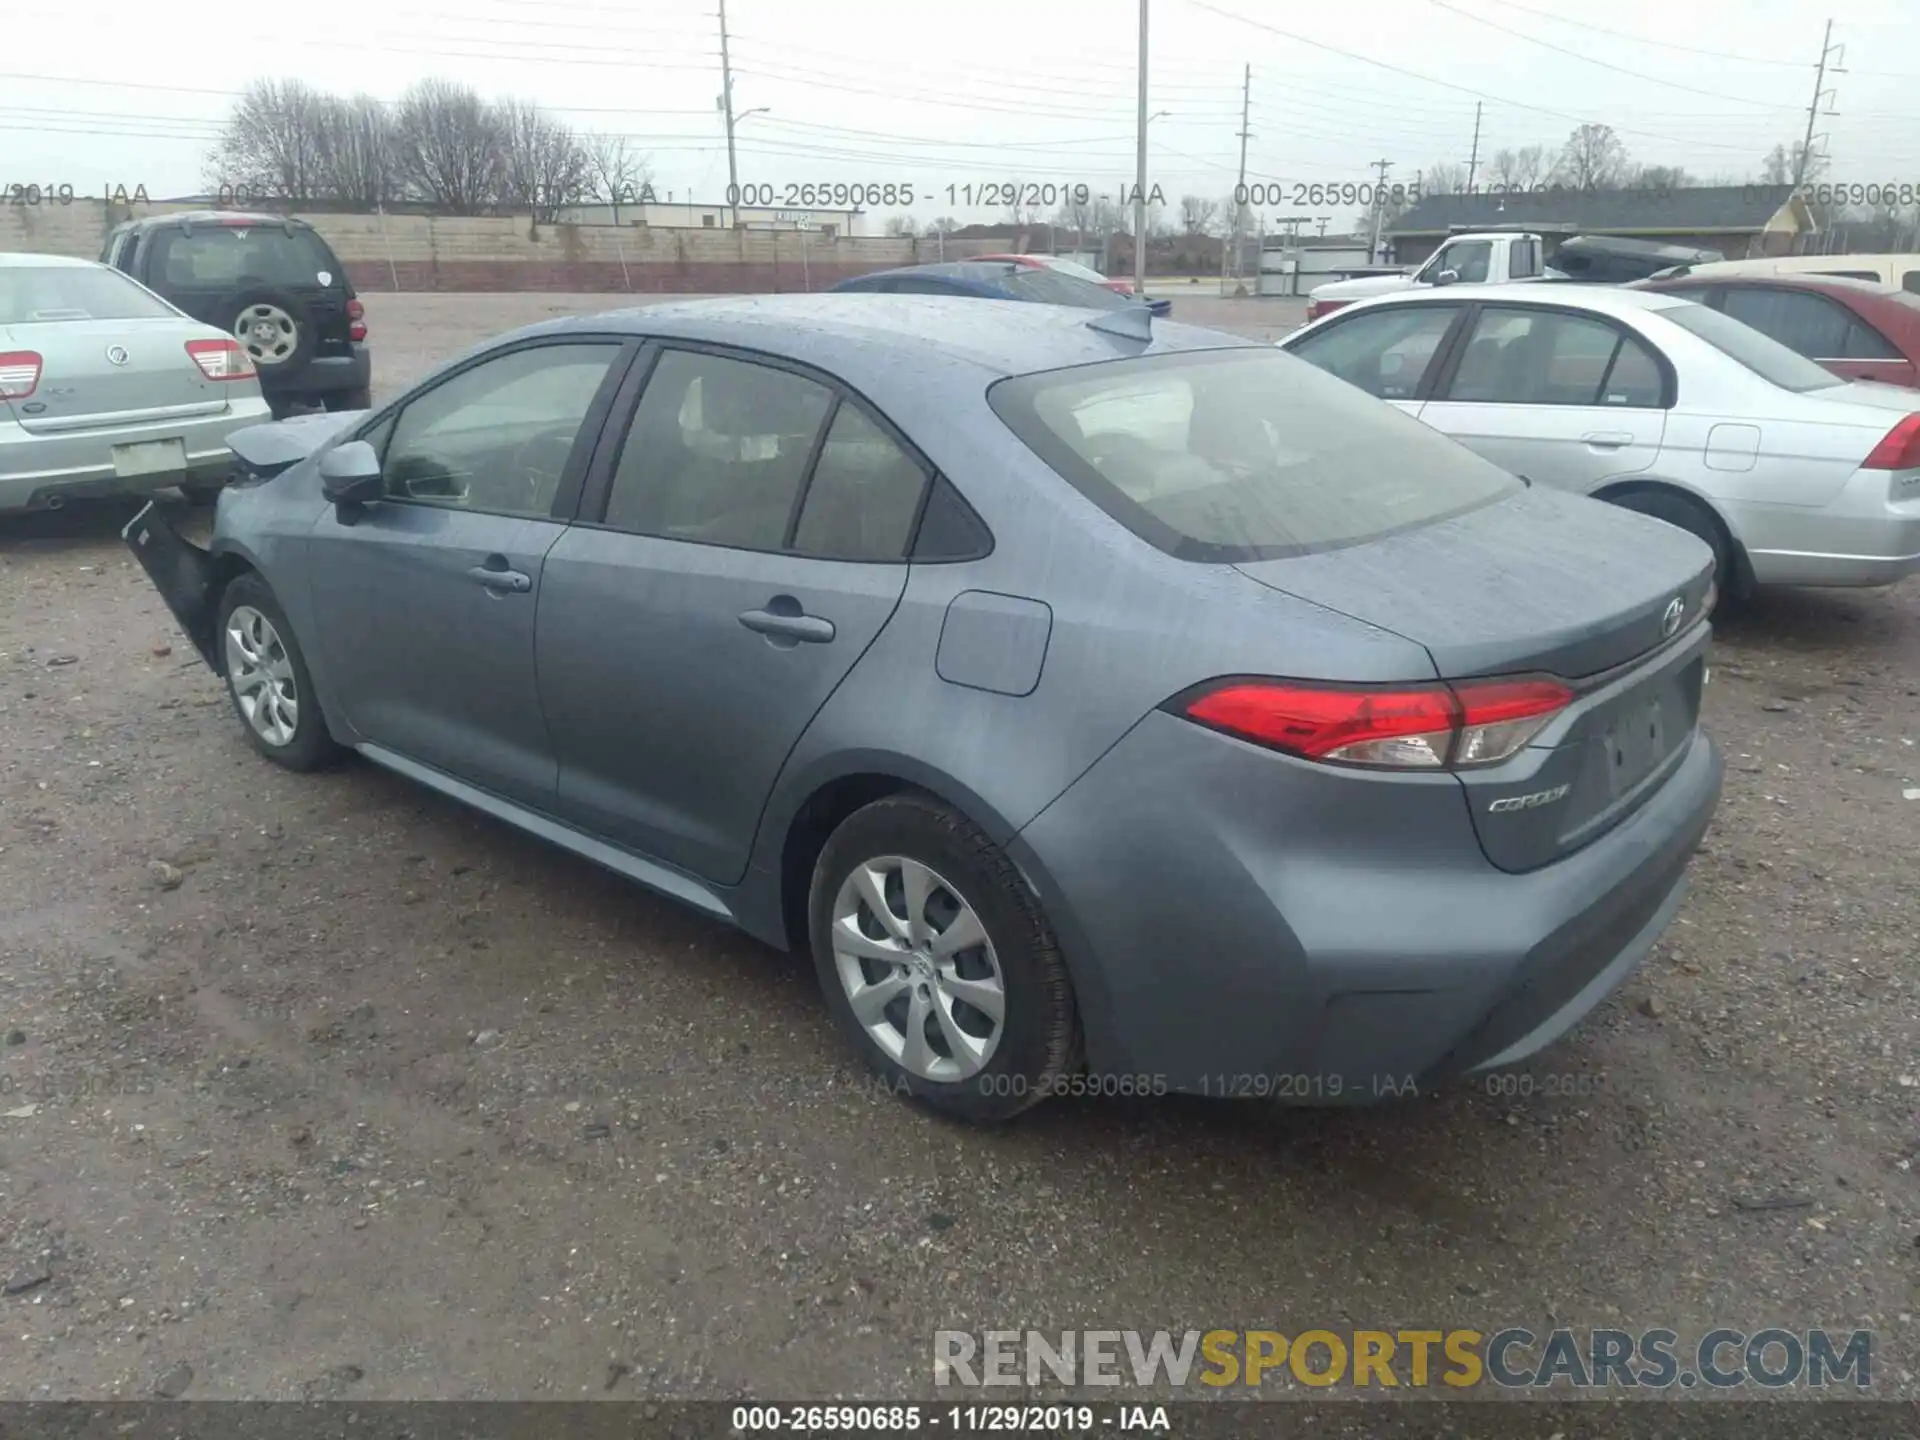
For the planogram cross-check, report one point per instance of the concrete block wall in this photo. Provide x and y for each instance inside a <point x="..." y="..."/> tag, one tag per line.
<point x="509" y="253"/>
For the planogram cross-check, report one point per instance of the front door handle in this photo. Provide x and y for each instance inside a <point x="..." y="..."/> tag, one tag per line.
<point x="783" y="620"/>
<point x="1607" y="439"/>
<point x="499" y="579"/>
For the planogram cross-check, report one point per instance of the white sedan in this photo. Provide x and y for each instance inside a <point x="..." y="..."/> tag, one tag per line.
<point x="1792" y="475"/>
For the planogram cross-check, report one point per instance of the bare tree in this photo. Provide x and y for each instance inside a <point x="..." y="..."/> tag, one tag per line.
<point x="945" y="225"/>
<point x="1662" y="177"/>
<point x="270" y="146"/>
<point x="1520" y="169"/>
<point x="543" y="166"/>
<point x="620" y="176"/>
<point x="448" y="142"/>
<point x="356" y="155"/>
<point x="1592" y="159"/>
<point x="1018" y="212"/>
<point x="1197" y="214"/>
<point x="1783" y="162"/>
<point x="1445" y="178"/>
<point x="901" y="227"/>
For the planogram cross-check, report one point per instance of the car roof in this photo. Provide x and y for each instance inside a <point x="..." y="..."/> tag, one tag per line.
<point x="871" y="340"/>
<point x="977" y="269"/>
<point x="1782" y="280"/>
<point x="18" y="258"/>
<point x="224" y="218"/>
<point x="1600" y="299"/>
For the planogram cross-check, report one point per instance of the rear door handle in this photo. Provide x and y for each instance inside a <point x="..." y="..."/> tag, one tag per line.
<point x="499" y="579"/>
<point x="776" y="625"/>
<point x="1607" y="439"/>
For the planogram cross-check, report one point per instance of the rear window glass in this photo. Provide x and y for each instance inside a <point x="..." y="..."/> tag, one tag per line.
<point x="31" y="294"/>
<point x="231" y="255"/>
<point x="1233" y="455"/>
<point x="1052" y="287"/>
<point x="1764" y="356"/>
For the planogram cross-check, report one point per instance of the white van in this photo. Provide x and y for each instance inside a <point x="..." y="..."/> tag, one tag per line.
<point x="1901" y="270"/>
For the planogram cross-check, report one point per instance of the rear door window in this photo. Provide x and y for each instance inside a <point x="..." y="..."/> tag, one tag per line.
<point x="1553" y="357"/>
<point x="1812" y="325"/>
<point x="1234" y="455"/>
<point x="1385" y="352"/>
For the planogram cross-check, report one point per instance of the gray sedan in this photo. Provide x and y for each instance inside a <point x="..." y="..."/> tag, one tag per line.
<point x="1106" y="706"/>
<point x="106" y="389"/>
<point x="1792" y="475"/>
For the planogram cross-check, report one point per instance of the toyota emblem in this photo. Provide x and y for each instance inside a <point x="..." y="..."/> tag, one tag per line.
<point x="1670" y="621"/>
<point x="117" y="354"/>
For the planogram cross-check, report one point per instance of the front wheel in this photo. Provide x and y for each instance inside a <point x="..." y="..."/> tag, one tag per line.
<point x="267" y="679"/>
<point x="938" y="964"/>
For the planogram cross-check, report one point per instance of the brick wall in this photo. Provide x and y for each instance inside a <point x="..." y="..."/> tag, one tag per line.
<point x="419" y="252"/>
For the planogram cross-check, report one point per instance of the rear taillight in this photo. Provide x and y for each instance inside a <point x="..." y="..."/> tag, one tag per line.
<point x="19" y="373"/>
<point x="1426" y="727"/>
<point x="1317" y="308"/>
<point x="1899" y="449"/>
<point x="356" y="320"/>
<point x="221" y="359"/>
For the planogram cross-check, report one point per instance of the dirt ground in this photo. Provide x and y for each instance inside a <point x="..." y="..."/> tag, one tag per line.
<point x="325" y="1087"/>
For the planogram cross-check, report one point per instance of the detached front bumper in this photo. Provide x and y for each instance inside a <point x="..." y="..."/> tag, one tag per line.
<point x="182" y="572"/>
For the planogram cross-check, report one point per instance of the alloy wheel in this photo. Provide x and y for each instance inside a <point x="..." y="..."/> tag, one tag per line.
<point x="918" y="968"/>
<point x="261" y="674"/>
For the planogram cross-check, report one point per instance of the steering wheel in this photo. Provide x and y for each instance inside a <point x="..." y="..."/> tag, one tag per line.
<point x="540" y="459"/>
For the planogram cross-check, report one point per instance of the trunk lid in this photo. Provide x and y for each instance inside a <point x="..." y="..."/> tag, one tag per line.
<point x="1543" y="583"/>
<point x="83" y="386"/>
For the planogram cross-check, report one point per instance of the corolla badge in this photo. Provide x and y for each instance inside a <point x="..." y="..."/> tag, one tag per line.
<point x="1529" y="802"/>
<point x="117" y="354"/>
<point x="1670" y="621"/>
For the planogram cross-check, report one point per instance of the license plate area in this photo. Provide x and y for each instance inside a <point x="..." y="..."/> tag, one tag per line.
<point x="1638" y="736"/>
<point x="149" y="457"/>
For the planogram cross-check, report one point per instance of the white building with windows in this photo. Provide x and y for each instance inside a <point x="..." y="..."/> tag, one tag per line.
<point x="671" y="214"/>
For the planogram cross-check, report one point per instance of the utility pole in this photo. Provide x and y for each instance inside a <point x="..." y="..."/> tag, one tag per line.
<point x="1473" y="161"/>
<point x="1240" y="186"/>
<point x="726" y="104"/>
<point x="1827" y="47"/>
<point x="1140" y="172"/>
<point x="1379" y="209"/>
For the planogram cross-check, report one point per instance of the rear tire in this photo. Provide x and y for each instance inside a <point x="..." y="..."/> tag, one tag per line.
<point x="268" y="681"/>
<point x="1694" y="518"/>
<point x="925" y="1024"/>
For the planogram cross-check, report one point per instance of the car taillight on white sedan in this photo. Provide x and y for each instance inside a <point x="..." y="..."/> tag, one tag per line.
<point x="221" y="359"/>
<point x="1425" y="727"/>
<point x="1899" y="449"/>
<point x="19" y="373"/>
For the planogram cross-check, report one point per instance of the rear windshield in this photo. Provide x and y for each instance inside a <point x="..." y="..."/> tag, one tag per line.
<point x="1053" y="287"/>
<point x="1763" y="355"/>
<point x="31" y="294"/>
<point x="230" y="255"/>
<point x="1234" y="455"/>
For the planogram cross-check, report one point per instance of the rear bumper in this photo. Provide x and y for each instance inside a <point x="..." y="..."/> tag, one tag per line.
<point x="41" y="470"/>
<point x="1240" y="923"/>
<point x="1869" y="534"/>
<point x="325" y="375"/>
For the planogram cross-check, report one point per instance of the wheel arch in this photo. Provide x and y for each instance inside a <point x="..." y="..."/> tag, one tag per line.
<point x="1617" y="490"/>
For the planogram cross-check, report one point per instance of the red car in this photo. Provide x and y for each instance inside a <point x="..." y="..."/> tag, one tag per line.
<point x="1856" y="328"/>
<point x="1079" y="271"/>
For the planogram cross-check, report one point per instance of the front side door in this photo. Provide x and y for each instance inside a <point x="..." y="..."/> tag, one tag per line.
<point x="729" y="568"/>
<point x="1389" y="352"/>
<point x="1562" y="398"/>
<point x="426" y="600"/>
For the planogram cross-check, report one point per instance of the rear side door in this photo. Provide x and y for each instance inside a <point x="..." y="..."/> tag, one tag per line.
<point x="733" y="560"/>
<point x="425" y="601"/>
<point x="1564" y="398"/>
<point x="1820" y="328"/>
<point x="1389" y="352"/>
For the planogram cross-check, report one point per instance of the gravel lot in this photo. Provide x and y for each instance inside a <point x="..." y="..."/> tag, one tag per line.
<point x="323" y="1086"/>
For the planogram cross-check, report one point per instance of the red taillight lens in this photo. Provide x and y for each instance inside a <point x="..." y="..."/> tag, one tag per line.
<point x="19" y="373"/>
<point x="221" y="359"/>
<point x="1317" y="308"/>
<point x="356" y="320"/>
<point x="1899" y="449"/>
<point x="1425" y="727"/>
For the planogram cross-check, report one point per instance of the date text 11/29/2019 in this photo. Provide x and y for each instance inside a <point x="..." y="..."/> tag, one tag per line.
<point x="1046" y="195"/>
<point x="885" y="1419"/>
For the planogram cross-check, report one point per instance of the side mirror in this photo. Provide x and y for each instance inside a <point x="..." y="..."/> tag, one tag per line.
<point x="1446" y="277"/>
<point x="350" y="474"/>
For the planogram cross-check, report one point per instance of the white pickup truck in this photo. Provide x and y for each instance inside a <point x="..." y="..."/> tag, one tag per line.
<point x="1490" y="258"/>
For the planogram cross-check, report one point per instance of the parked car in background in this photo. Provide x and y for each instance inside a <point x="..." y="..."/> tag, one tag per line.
<point x="1083" y="272"/>
<point x="1000" y="280"/>
<point x="1792" y="475"/>
<point x="1491" y="258"/>
<point x="106" y="389"/>
<point x="270" y="282"/>
<point x="1859" y="329"/>
<point x="1898" y="270"/>
<point x="1071" y="695"/>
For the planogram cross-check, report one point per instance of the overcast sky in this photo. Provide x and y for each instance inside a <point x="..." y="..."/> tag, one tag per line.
<point x="944" y="94"/>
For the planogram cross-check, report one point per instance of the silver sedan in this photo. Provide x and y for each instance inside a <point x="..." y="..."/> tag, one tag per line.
<point x="106" y="389"/>
<point x="1792" y="475"/>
